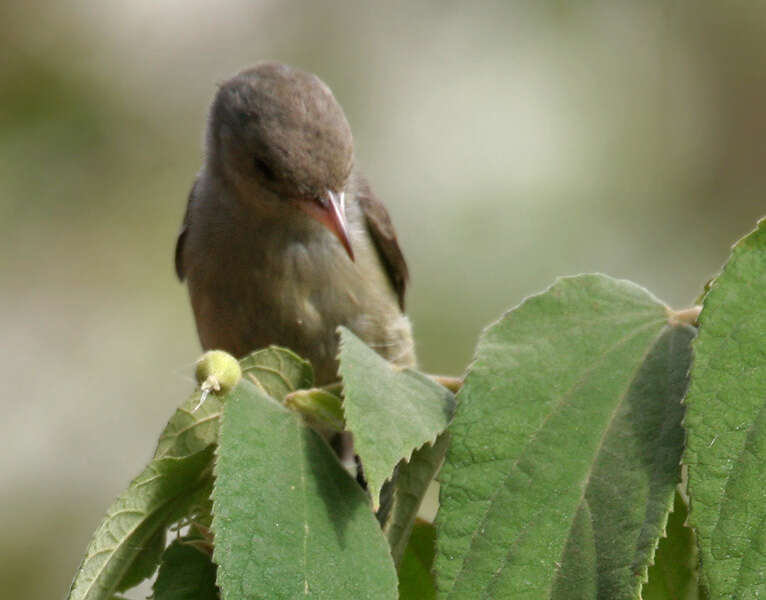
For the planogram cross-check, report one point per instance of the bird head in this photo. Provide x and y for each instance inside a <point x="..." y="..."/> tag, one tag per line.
<point x="276" y="128"/>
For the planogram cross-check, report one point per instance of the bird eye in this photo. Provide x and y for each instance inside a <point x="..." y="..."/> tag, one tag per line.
<point x="263" y="168"/>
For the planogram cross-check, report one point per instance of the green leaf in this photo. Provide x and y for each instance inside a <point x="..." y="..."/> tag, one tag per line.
<point x="162" y="494"/>
<point x="415" y="579"/>
<point x="288" y="520"/>
<point x="277" y="371"/>
<point x="145" y="564"/>
<point x="194" y="426"/>
<point x="319" y="408"/>
<point x="186" y="573"/>
<point x="673" y="576"/>
<point x="726" y="426"/>
<point x="189" y="430"/>
<point x="565" y="447"/>
<point x="411" y="484"/>
<point x="390" y="411"/>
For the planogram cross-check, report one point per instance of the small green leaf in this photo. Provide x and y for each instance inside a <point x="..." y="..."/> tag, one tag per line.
<point x="318" y="408"/>
<point x="190" y="430"/>
<point x="673" y="576"/>
<point x="565" y="447"/>
<point x="411" y="484"/>
<point x="288" y="520"/>
<point x="416" y="581"/>
<point x="390" y="411"/>
<point x="726" y="425"/>
<point x="277" y="371"/>
<point x="145" y="564"/>
<point x="164" y="492"/>
<point x="186" y="573"/>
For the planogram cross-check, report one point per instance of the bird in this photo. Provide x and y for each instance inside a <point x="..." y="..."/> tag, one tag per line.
<point x="283" y="239"/>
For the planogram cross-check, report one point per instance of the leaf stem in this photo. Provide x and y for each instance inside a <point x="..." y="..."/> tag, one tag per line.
<point x="686" y="316"/>
<point x="453" y="384"/>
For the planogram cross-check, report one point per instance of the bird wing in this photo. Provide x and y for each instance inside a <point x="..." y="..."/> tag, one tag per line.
<point x="383" y="235"/>
<point x="180" y="271"/>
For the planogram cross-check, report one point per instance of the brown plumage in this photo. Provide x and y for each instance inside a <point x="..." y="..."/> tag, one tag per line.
<point x="283" y="240"/>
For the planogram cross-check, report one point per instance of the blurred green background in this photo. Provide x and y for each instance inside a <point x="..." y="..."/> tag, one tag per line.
<point x="513" y="142"/>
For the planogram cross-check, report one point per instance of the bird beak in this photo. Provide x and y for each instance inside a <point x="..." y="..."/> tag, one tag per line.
<point x="330" y="210"/>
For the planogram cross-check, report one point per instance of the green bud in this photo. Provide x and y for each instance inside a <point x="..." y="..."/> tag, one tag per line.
<point x="218" y="371"/>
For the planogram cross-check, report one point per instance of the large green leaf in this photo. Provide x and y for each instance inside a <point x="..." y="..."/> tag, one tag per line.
<point x="164" y="492"/>
<point x="288" y="520"/>
<point x="726" y="425"/>
<point x="564" y="447"/>
<point x="127" y="545"/>
<point x="390" y="411"/>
